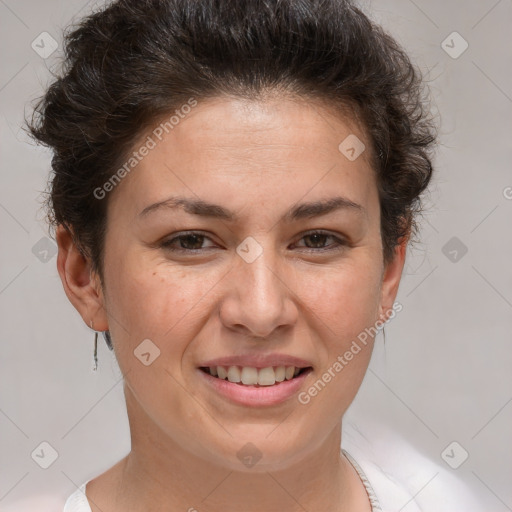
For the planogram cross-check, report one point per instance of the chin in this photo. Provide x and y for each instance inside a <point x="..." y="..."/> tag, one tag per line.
<point x="259" y="453"/>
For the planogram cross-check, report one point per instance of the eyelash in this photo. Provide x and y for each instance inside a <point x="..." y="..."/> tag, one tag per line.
<point x="339" y="243"/>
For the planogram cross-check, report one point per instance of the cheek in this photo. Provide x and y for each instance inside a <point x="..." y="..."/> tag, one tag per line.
<point x="345" y="302"/>
<point x="158" y="301"/>
<point x="344" y="297"/>
<point x="155" y="304"/>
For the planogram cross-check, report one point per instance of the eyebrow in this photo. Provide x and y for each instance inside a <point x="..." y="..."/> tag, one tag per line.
<point x="215" y="211"/>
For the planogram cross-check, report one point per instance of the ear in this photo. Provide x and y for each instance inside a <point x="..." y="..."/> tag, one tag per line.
<point x="391" y="276"/>
<point x="82" y="287"/>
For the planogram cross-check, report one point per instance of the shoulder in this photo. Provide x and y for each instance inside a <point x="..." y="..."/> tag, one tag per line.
<point x="402" y="477"/>
<point x="49" y="500"/>
<point x="77" y="502"/>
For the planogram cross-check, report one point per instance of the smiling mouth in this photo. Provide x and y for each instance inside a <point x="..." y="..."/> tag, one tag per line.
<point x="255" y="377"/>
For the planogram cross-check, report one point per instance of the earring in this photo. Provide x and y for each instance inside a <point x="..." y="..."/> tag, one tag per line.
<point x="95" y="367"/>
<point x="108" y="341"/>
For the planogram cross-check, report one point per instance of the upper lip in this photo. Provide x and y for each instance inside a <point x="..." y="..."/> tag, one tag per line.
<point x="258" y="361"/>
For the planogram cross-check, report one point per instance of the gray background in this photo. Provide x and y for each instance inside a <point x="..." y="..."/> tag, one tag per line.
<point x="444" y="373"/>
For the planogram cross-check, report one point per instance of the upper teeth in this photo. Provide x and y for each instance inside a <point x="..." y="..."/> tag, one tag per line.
<point x="252" y="376"/>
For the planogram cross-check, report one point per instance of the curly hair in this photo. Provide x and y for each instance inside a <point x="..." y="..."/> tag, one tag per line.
<point x="136" y="61"/>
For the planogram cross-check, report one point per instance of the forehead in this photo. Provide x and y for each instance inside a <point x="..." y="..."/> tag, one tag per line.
<point x="232" y="151"/>
<point x="236" y="126"/>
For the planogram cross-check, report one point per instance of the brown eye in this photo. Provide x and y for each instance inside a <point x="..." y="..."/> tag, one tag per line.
<point x="318" y="239"/>
<point x="186" y="242"/>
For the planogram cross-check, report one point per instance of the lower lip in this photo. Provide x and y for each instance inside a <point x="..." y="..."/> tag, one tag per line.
<point x="256" y="396"/>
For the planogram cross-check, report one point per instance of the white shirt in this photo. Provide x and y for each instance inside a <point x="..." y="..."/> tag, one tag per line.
<point x="397" y="477"/>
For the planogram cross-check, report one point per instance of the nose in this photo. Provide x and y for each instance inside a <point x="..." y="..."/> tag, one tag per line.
<point x="259" y="298"/>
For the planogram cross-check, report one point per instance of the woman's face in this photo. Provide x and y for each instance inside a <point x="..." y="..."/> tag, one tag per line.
<point x="253" y="284"/>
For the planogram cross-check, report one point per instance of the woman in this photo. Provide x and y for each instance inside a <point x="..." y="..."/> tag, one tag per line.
<point x="235" y="185"/>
